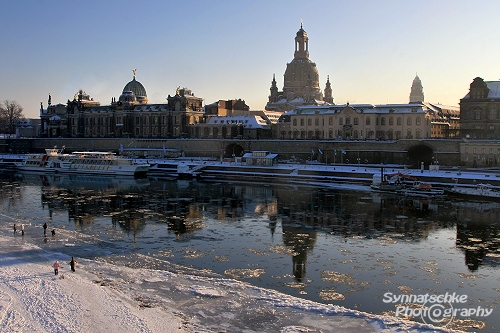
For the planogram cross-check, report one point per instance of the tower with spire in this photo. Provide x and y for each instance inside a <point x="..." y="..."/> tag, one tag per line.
<point x="417" y="91"/>
<point x="328" y="91"/>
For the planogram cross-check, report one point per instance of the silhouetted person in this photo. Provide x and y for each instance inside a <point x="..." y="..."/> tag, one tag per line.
<point x="72" y="263"/>
<point x="53" y="232"/>
<point x="15" y="228"/>
<point x="45" y="228"/>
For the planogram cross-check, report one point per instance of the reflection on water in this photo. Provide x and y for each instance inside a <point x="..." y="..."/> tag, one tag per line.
<point x="331" y="246"/>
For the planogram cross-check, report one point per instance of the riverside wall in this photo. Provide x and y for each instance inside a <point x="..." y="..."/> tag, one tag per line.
<point x="409" y="152"/>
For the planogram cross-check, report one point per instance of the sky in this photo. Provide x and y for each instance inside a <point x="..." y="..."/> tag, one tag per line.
<point x="227" y="49"/>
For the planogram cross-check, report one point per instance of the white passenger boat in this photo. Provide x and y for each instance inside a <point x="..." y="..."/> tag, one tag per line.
<point x="486" y="191"/>
<point x="82" y="162"/>
<point x="10" y="161"/>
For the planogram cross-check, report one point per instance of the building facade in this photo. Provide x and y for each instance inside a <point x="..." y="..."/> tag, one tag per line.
<point x="480" y="110"/>
<point x="480" y="153"/>
<point x="238" y="127"/>
<point x="361" y="122"/>
<point x="130" y="116"/>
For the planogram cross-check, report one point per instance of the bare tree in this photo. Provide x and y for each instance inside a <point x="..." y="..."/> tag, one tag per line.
<point x="10" y="115"/>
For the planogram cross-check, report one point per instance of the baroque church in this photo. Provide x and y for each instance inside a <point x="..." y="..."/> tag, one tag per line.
<point x="301" y="81"/>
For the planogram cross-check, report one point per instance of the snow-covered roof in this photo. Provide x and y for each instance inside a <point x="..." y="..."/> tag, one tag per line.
<point x="494" y="87"/>
<point x="494" y="90"/>
<point x="245" y="121"/>
<point x="365" y="108"/>
<point x="251" y="155"/>
<point x="297" y="100"/>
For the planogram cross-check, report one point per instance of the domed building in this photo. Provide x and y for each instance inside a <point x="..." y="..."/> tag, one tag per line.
<point x="301" y="81"/>
<point x="134" y="93"/>
<point x="132" y="116"/>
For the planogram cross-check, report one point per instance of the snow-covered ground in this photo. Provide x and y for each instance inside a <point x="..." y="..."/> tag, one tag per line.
<point x="101" y="297"/>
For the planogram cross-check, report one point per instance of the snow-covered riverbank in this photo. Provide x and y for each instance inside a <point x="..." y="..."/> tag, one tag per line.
<point x="100" y="297"/>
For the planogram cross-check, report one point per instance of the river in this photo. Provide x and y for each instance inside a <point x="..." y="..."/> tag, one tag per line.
<point x="358" y="249"/>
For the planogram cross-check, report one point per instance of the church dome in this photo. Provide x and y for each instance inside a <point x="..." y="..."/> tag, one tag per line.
<point x="137" y="90"/>
<point x="136" y="87"/>
<point x="301" y="76"/>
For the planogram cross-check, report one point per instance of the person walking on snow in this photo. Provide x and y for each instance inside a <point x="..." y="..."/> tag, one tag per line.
<point x="15" y="228"/>
<point x="72" y="263"/>
<point x="45" y="228"/>
<point x="56" y="267"/>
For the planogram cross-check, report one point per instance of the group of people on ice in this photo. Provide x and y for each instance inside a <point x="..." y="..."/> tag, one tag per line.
<point x="57" y="265"/>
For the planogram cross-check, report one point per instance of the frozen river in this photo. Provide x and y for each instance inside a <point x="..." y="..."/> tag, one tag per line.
<point x="353" y="248"/>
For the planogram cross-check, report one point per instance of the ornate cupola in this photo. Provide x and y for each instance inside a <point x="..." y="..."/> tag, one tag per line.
<point x="134" y="92"/>
<point x="478" y="89"/>
<point x="301" y="44"/>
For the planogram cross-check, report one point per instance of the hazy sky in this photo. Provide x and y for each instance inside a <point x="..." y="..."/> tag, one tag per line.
<point x="230" y="49"/>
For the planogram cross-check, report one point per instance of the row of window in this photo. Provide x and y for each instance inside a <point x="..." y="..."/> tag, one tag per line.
<point x="104" y="121"/>
<point x="478" y="114"/>
<point x="355" y="134"/>
<point x="482" y="150"/>
<point x="355" y="121"/>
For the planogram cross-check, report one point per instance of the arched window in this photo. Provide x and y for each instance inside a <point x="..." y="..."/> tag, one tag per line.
<point x="408" y="121"/>
<point x="368" y="121"/>
<point x="399" y="122"/>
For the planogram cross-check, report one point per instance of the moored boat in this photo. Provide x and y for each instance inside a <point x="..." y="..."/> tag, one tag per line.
<point x="388" y="183"/>
<point x="10" y="161"/>
<point x="421" y="190"/>
<point x="486" y="191"/>
<point x="83" y="162"/>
